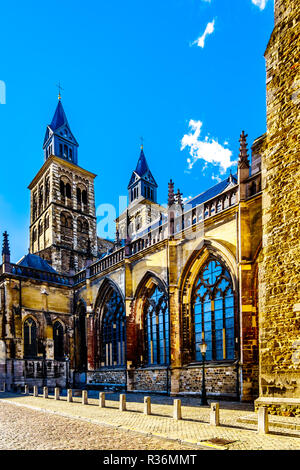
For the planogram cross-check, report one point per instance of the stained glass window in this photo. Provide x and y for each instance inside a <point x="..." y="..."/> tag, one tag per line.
<point x="156" y="328"/>
<point x="114" y="331"/>
<point x="213" y="310"/>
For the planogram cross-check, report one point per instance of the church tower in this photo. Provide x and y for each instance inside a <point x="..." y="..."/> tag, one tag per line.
<point x="63" y="218"/>
<point x="142" y="184"/>
<point x="279" y="287"/>
<point x="143" y="208"/>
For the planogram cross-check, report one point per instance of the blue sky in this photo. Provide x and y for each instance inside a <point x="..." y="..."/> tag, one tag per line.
<point x="129" y="69"/>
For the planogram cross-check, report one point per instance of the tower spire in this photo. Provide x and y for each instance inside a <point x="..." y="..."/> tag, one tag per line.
<point x="142" y="183"/>
<point x="59" y="140"/>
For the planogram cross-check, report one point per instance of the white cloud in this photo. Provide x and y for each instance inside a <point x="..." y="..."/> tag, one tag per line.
<point x="260" y="3"/>
<point x="216" y="178"/>
<point x="208" y="30"/>
<point x="208" y="150"/>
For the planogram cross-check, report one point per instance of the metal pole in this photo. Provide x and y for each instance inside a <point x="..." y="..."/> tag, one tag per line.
<point x="203" y="395"/>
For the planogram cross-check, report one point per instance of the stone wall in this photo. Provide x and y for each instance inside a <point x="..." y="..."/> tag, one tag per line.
<point x="279" y="279"/>
<point x="219" y="381"/>
<point x="279" y="406"/>
<point x="35" y="372"/>
<point x="154" y="380"/>
<point x="107" y="376"/>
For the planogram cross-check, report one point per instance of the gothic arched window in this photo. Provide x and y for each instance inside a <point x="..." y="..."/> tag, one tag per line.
<point x="213" y="311"/>
<point x="156" y="327"/>
<point x="58" y="338"/>
<point x="113" y="331"/>
<point x="30" y="338"/>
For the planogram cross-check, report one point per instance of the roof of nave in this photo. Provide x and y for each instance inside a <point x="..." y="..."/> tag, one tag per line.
<point x="35" y="262"/>
<point x="211" y="192"/>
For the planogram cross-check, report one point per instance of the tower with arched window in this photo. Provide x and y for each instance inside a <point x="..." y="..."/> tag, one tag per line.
<point x="63" y="219"/>
<point x="143" y="207"/>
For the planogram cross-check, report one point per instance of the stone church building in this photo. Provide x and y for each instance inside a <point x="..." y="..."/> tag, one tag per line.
<point x="222" y="268"/>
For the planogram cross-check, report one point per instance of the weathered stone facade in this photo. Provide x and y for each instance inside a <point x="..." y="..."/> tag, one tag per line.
<point x="279" y="280"/>
<point x="63" y="221"/>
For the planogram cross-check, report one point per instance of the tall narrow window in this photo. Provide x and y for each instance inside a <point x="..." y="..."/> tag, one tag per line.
<point x="213" y="309"/>
<point x="62" y="188"/>
<point x="30" y="338"/>
<point x="78" y="195"/>
<point x="65" y="151"/>
<point x="156" y="328"/>
<point x="113" y="331"/>
<point x="84" y="197"/>
<point x="68" y="191"/>
<point x="58" y="338"/>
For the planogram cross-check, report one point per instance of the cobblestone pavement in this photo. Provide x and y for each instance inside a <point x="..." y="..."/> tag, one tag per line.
<point x="193" y="429"/>
<point x="26" y="429"/>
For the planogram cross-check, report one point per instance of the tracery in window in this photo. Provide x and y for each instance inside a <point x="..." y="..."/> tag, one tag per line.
<point x="113" y="331"/>
<point x="213" y="312"/>
<point x="156" y="327"/>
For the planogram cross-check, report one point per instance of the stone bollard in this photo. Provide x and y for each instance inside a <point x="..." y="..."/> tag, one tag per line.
<point x="147" y="405"/>
<point x="56" y="393"/>
<point x="262" y="420"/>
<point x="84" y="397"/>
<point x="177" y="409"/>
<point x="35" y="391"/>
<point x="69" y="395"/>
<point x="26" y="389"/>
<point x="122" y="405"/>
<point x="214" y="414"/>
<point x="45" y="392"/>
<point x="102" y="400"/>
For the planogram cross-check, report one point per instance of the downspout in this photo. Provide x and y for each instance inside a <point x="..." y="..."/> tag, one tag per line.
<point x="168" y="281"/>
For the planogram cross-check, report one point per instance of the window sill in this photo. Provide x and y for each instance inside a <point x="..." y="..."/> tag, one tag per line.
<point x="225" y="363"/>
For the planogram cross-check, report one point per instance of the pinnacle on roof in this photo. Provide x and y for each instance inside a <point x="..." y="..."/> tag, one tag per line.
<point x="171" y="195"/>
<point x="5" y="245"/>
<point x="179" y="199"/>
<point x="243" y="156"/>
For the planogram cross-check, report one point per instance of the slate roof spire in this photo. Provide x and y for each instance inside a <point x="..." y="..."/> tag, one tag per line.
<point x="59" y="119"/>
<point x="142" y="183"/>
<point x="59" y="140"/>
<point x="142" y="165"/>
